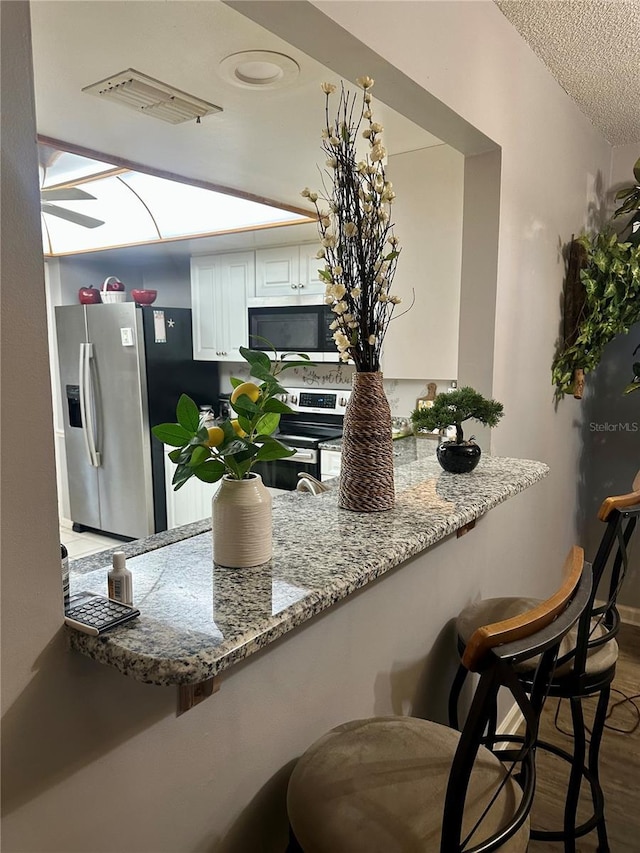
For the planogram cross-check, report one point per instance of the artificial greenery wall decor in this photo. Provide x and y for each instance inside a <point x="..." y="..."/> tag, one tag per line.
<point x="630" y="197"/>
<point x="634" y="385"/>
<point x="610" y="276"/>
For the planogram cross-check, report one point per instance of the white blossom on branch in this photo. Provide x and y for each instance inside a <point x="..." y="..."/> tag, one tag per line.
<point x="359" y="248"/>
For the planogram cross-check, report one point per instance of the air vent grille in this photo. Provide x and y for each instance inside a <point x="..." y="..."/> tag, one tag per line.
<point x="151" y="97"/>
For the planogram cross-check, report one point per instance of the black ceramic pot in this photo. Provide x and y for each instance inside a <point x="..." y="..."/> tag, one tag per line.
<point x="458" y="458"/>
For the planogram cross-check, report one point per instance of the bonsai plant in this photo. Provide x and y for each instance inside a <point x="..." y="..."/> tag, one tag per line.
<point x="453" y="408"/>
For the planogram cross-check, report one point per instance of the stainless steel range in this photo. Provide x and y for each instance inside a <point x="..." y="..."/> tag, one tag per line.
<point x="317" y="416"/>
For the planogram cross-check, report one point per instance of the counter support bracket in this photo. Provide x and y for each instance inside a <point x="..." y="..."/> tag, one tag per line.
<point x="190" y="695"/>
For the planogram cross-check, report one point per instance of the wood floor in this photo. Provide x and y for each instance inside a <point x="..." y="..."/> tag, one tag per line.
<point x="619" y="764"/>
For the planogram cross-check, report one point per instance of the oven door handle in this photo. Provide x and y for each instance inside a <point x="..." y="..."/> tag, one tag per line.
<point x="308" y="456"/>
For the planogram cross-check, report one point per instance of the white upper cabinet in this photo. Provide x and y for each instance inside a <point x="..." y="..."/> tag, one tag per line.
<point x="288" y="271"/>
<point x="220" y="285"/>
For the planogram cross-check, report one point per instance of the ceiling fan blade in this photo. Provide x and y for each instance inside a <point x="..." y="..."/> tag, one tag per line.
<point x="47" y="155"/>
<point x="71" y="216"/>
<point x="66" y="194"/>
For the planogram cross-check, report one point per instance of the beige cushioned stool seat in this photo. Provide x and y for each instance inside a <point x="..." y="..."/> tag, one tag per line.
<point x="378" y="786"/>
<point x="490" y="610"/>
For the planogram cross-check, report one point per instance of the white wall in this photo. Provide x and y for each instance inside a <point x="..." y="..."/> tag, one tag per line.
<point x="96" y="762"/>
<point x="427" y="216"/>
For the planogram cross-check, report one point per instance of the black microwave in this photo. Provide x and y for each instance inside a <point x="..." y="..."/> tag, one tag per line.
<point x="294" y="328"/>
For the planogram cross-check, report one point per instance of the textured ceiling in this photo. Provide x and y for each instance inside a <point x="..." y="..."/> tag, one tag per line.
<point x="592" y="48"/>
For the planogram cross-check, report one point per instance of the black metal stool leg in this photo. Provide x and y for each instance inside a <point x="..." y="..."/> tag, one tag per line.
<point x="454" y="696"/>
<point x="575" y="777"/>
<point x="594" y="749"/>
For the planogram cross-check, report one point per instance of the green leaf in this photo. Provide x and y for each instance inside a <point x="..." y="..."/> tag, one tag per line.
<point x="287" y="365"/>
<point x="210" y="472"/>
<point x="264" y="340"/>
<point x="199" y="455"/>
<point x="180" y="476"/>
<point x="244" y="406"/>
<point x="630" y="204"/>
<point x="625" y="192"/>
<point x="273" y="450"/>
<point x="273" y="404"/>
<point x="235" y="382"/>
<point x="268" y="423"/>
<point x="245" y="423"/>
<point x="302" y="355"/>
<point x="175" y="455"/>
<point x="255" y="358"/>
<point x="172" y="434"/>
<point x="187" y="413"/>
<point x="325" y="275"/>
<point x="261" y="372"/>
<point x="232" y="465"/>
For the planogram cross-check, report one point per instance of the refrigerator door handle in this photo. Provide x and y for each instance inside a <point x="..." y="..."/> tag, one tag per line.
<point x="83" y="403"/>
<point x="86" y="400"/>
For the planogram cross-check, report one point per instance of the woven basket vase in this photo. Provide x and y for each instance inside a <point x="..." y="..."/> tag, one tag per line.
<point x="366" y="475"/>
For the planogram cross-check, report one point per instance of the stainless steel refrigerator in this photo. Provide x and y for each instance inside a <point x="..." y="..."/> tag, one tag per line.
<point x="122" y="370"/>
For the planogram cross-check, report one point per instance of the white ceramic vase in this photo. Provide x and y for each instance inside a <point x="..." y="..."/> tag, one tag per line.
<point x="241" y="515"/>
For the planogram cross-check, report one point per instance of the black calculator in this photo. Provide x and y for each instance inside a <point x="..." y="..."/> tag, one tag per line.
<point x="95" y="614"/>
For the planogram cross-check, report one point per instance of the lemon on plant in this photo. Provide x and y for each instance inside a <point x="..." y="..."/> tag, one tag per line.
<point x="236" y="426"/>
<point x="216" y="436"/>
<point x="249" y="388"/>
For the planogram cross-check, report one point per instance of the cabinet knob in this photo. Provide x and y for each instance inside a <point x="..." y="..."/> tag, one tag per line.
<point x="294" y="286"/>
<point x="301" y="285"/>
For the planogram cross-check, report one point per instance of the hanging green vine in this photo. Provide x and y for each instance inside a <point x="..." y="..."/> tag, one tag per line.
<point x="610" y="276"/>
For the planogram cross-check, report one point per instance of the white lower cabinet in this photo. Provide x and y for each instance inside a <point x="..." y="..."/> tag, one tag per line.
<point x="330" y="464"/>
<point x="190" y="503"/>
<point x="220" y="285"/>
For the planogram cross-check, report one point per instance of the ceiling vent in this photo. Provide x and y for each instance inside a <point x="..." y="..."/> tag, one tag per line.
<point x="151" y="97"/>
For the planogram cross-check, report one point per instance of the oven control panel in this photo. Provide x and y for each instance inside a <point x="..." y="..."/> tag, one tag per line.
<point x="328" y="401"/>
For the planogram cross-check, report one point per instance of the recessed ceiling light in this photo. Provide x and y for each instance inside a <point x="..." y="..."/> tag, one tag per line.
<point x="259" y="69"/>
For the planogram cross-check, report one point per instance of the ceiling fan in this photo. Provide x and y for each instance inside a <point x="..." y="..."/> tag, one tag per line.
<point x="63" y="193"/>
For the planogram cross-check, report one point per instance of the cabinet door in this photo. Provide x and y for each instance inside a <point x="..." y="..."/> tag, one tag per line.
<point x="278" y="271"/>
<point x="309" y="266"/>
<point x="237" y="272"/>
<point x="190" y="503"/>
<point x="219" y="286"/>
<point x="330" y="462"/>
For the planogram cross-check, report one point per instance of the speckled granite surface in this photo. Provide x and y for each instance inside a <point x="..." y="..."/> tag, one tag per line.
<point x="198" y="619"/>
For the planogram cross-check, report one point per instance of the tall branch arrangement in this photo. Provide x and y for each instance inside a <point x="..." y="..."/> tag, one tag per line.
<point x="358" y="247"/>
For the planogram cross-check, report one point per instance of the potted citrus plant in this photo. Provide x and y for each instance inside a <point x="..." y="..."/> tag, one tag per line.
<point x="453" y="408"/>
<point x="241" y="508"/>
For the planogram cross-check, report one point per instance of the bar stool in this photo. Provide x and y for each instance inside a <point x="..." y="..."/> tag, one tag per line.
<point x="401" y="784"/>
<point x="586" y="666"/>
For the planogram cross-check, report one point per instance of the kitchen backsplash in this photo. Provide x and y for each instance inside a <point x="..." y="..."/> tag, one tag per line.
<point x="401" y="393"/>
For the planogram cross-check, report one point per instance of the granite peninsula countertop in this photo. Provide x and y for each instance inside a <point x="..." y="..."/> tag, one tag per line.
<point x="198" y="619"/>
